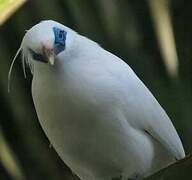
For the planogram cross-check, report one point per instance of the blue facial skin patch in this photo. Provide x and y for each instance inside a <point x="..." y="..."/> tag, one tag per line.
<point x="60" y="37"/>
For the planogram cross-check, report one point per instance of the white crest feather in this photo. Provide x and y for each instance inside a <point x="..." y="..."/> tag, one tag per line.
<point x="11" y="67"/>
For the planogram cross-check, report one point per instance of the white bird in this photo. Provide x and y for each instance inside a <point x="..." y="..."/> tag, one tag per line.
<point x="101" y="119"/>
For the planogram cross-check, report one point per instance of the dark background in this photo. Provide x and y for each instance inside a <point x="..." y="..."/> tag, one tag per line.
<point x="124" y="27"/>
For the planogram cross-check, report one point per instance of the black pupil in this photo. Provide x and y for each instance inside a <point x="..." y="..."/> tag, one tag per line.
<point x="60" y="35"/>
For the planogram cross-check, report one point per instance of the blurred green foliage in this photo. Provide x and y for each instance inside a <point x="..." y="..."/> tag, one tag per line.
<point x="123" y="27"/>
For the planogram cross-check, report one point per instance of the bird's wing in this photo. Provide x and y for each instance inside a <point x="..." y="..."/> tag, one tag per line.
<point x="156" y="121"/>
<point x="143" y="111"/>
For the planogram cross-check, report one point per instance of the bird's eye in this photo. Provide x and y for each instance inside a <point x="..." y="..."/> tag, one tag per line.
<point x="38" y="56"/>
<point x="60" y="37"/>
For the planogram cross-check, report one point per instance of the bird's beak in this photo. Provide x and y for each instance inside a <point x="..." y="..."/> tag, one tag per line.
<point x="51" y="59"/>
<point x="50" y="55"/>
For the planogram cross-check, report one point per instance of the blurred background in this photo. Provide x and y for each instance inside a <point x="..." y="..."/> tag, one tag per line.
<point x="152" y="36"/>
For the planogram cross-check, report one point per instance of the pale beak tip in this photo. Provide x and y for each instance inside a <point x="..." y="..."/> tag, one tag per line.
<point x="49" y="53"/>
<point x="52" y="60"/>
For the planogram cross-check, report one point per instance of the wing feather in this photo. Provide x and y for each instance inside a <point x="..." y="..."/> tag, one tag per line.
<point x="142" y="109"/>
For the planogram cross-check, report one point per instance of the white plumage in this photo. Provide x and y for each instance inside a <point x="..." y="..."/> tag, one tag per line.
<point x="98" y="115"/>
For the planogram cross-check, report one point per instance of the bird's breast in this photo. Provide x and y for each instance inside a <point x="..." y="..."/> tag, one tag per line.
<point x="83" y="117"/>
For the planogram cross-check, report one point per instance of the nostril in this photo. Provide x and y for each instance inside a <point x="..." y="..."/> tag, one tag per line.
<point x="47" y="51"/>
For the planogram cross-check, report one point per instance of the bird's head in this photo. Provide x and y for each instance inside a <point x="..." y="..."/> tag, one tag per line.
<point x="44" y="41"/>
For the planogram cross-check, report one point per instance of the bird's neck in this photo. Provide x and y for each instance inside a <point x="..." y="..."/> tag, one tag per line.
<point x="44" y="72"/>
